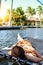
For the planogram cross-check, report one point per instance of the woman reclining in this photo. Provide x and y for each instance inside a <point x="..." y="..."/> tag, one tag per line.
<point x="24" y="49"/>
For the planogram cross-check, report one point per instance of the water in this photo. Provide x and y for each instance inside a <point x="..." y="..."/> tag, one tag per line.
<point x="9" y="37"/>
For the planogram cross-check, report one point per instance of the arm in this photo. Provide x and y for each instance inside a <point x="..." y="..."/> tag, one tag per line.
<point x="32" y="58"/>
<point x="37" y="53"/>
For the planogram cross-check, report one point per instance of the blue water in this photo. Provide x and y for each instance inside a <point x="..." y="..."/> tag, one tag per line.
<point x="9" y="37"/>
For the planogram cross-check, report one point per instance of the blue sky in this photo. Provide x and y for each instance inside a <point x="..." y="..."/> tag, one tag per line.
<point x="23" y="3"/>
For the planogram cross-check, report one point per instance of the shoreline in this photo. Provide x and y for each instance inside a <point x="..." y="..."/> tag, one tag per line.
<point x="15" y="27"/>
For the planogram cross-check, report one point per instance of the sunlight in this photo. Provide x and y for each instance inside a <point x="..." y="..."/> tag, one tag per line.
<point x="2" y="10"/>
<point x="2" y="13"/>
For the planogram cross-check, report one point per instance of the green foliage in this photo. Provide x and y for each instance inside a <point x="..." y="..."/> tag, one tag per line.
<point x="39" y="9"/>
<point x="41" y="19"/>
<point x="33" y="11"/>
<point x="18" y="15"/>
<point x="1" y="19"/>
<point x="6" y="18"/>
<point x="30" y="10"/>
<point x="20" y="11"/>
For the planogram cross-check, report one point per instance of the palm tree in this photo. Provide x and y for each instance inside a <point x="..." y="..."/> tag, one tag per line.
<point x="11" y="12"/>
<point x="20" y="11"/>
<point x="39" y="9"/>
<point x="30" y="11"/>
<point x="33" y="11"/>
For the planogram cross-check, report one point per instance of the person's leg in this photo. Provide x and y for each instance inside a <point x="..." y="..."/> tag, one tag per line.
<point x="32" y="58"/>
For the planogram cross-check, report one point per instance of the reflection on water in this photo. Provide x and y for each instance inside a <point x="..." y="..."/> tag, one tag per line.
<point x="9" y="37"/>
